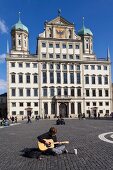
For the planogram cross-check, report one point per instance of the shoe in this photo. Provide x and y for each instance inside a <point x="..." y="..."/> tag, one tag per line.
<point x="65" y="151"/>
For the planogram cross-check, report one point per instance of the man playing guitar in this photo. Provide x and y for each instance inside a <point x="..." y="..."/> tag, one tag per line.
<point x="48" y="143"/>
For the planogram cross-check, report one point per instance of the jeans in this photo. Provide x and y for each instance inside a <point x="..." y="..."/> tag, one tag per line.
<point x="59" y="149"/>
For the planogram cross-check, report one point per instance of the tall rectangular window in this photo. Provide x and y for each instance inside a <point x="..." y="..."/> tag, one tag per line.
<point x="99" y="79"/>
<point x="20" y="78"/>
<point x="65" y="78"/>
<point x="51" y="77"/>
<point x="35" y="92"/>
<point x="78" y="92"/>
<point x="28" y="78"/>
<point x="72" y="92"/>
<point x="93" y="92"/>
<point x="58" y="77"/>
<point x="106" y="93"/>
<point x="20" y="92"/>
<point x="46" y="108"/>
<point x="44" y="91"/>
<point x="71" y="78"/>
<point x="106" y="80"/>
<point x="51" y="91"/>
<point x="35" y="78"/>
<point x="86" y="79"/>
<point x="72" y="108"/>
<point x="65" y="91"/>
<point x="100" y="93"/>
<point x="59" y="91"/>
<point x="87" y="92"/>
<point x="28" y="92"/>
<point x="93" y="79"/>
<point x="13" y="92"/>
<point x="13" y="78"/>
<point x="78" y="78"/>
<point x="44" y="77"/>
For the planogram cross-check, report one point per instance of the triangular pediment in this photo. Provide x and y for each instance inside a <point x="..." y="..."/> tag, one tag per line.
<point x="60" y="21"/>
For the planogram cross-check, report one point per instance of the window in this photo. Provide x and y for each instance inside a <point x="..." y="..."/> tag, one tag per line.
<point x="28" y="78"/>
<point x="46" y="108"/>
<point x="105" y="67"/>
<point x="59" y="91"/>
<point x="93" y="79"/>
<point x="20" y="92"/>
<point x="87" y="79"/>
<point x="86" y="67"/>
<point x="52" y="108"/>
<point x="87" y="103"/>
<point x="107" y="103"/>
<point x="20" y="65"/>
<point x="64" y="45"/>
<point x="28" y="104"/>
<point x="106" y="80"/>
<point x="93" y="92"/>
<point x="72" y="92"/>
<point x="35" y="104"/>
<point x="107" y="111"/>
<point x="44" y="91"/>
<point x="71" y="67"/>
<point x="50" y="45"/>
<point x="35" y="78"/>
<point x="77" y="57"/>
<point x="28" y="92"/>
<point x="65" y="77"/>
<point x="106" y="93"/>
<point x="65" y="67"/>
<point x="58" y="66"/>
<point x="34" y="65"/>
<point x="78" y="92"/>
<point x="100" y="111"/>
<point x="44" y="66"/>
<point x="13" y="78"/>
<point x="35" y="92"/>
<point x="50" y="55"/>
<point x="70" y="46"/>
<point x="92" y="67"/>
<point x="71" y="78"/>
<point x="43" y="55"/>
<point x="87" y="92"/>
<point x="20" y="78"/>
<point x="78" y="78"/>
<point x="51" y="77"/>
<point x="71" y="56"/>
<point x="94" y="103"/>
<point x="43" y="44"/>
<point x="14" y="104"/>
<point x="14" y="113"/>
<point x="100" y="93"/>
<point x="13" y="92"/>
<point x="44" y="77"/>
<point x="99" y="67"/>
<point x="27" y="65"/>
<point x="78" y="67"/>
<point x="57" y="55"/>
<point x="19" y="42"/>
<point x="51" y="66"/>
<point x="77" y="46"/>
<point x="51" y="91"/>
<point x="72" y="108"/>
<point x="100" y="104"/>
<point x="36" y="112"/>
<point x="64" y="56"/>
<point x="65" y="91"/>
<point x="12" y="64"/>
<point x="99" y="79"/>
<point x="58" y="77"/>
<point x="21" y="104"/>
<point x="57" y="46"/>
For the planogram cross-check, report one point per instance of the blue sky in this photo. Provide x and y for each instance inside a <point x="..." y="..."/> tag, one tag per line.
<point x="98" y="16"/>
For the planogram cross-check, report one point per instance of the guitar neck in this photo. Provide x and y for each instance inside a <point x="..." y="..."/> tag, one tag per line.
<point x="61" y="142"/>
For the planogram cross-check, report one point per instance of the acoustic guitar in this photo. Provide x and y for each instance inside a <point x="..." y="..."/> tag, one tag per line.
<point x="44" y="147"/>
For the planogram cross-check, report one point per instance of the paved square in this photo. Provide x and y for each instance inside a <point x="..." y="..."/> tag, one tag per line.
<point x="93" y="153"/>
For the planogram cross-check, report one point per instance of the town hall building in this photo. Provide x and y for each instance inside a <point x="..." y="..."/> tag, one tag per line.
<point x="64" y="77"/>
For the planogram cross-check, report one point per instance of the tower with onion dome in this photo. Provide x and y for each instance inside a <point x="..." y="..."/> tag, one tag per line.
<point x="87" y="39"/>
<point x="19" y="37"/>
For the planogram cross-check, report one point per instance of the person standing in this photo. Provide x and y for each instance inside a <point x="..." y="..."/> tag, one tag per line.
<point x="28" y="119"/>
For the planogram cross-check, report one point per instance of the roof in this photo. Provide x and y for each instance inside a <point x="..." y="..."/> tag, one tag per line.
<point x="3" y="95"/>
<point x="85" y="31"/>
<point x="20" y="26"/>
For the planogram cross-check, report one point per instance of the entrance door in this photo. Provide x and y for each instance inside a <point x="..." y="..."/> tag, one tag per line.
<point x="63" y="110"/>
<point x="28" y="113"/>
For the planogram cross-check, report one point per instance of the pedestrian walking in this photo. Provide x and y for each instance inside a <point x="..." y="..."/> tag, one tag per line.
<point x="28" y="119"/>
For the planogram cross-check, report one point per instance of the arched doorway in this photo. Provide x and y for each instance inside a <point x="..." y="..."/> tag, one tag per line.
<point x="63" y="110"/>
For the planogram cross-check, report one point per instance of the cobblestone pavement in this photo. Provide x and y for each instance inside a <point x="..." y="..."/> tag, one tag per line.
<point x="93" y="153"/>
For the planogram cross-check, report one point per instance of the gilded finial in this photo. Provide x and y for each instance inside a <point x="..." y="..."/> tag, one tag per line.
<point x="19" y="16"/>
<point x="83" y="22"/>
<point x="59" y="12"/>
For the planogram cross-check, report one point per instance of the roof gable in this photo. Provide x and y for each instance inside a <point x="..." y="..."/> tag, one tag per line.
<point x="60" y="21"/>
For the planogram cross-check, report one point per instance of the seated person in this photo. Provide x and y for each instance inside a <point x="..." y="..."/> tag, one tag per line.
<point x="51" y="134"/>
<point x="58" y="122"/>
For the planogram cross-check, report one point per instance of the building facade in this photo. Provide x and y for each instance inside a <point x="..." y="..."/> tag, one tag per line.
<point x="64" y="77"/>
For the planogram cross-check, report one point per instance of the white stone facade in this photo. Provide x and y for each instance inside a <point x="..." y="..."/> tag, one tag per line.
<point x="63" y="78"/>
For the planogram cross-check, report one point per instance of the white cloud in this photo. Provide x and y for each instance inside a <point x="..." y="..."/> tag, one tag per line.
<point x="3" y="85"/>
<point x="3" y="27"/>
<point x="2" y="58"/>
